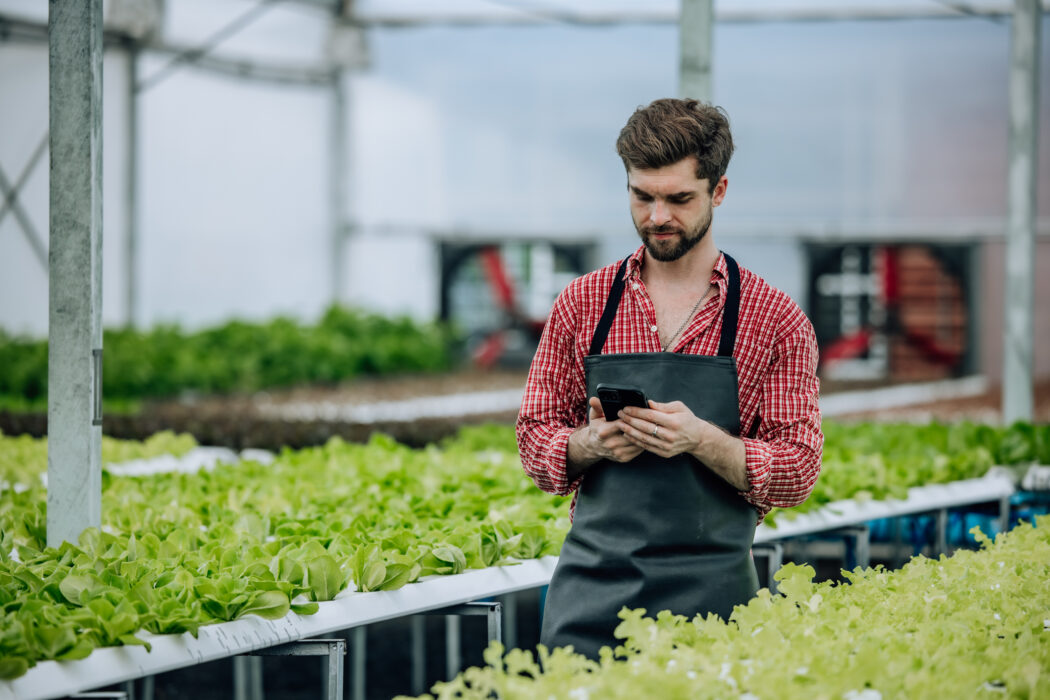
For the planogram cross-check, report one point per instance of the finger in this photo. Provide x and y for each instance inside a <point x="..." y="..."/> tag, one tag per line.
<point x="610" y="430"/>
<point x="596" y="408"/>
<point x="643" y="437"/>
<point x="653" y="427"/>
<point x="643" y="418"/>
<point x="670" y="407"/>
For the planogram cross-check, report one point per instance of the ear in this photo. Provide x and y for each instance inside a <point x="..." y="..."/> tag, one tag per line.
<point x="720" y="191"/>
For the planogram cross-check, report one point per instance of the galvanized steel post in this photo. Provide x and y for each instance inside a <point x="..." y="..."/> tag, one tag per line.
<point x="74" y="493"/>
<point x="337" y="184"/>
<point x="131" y="201"/>
<point x="1020" y="231"/>
<point x="696" y="38"/>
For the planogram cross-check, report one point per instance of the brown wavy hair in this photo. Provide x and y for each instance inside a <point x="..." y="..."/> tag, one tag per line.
<point x="669" y="130"/>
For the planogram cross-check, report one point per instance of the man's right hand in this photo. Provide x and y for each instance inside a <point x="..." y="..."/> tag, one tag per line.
<point x="599" y="439"/>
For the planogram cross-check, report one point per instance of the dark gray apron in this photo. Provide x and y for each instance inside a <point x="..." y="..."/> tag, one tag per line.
<point x="655" y="533"/>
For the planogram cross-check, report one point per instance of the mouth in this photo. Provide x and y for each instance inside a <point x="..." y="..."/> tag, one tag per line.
<point x="663" y="234"/>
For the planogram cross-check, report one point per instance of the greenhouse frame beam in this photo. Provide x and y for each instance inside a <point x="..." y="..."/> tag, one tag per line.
<point x="549" y="15"/>
<point x="1018" y="297"/>
<point x="320" y="76"/>
<point x="695" y="47"/>
<point x="19" y="29"/>
<point x="11" y="191"/>
<point x="74" y="400"/>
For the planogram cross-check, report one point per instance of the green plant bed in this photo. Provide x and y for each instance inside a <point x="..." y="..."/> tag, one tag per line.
<point x="237" y="357"/>
<point x="177" y="551"/>
<point x="974" y="625"/>
<point x="38" y="405"/>
<point x="878" y="461"/>
<point x="23" y="459"/>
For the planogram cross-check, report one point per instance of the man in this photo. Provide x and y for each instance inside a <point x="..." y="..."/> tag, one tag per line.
<point x="667" y="497"/>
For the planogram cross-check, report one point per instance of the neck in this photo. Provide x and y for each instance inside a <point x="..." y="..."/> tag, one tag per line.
<point x="687" y="271"/>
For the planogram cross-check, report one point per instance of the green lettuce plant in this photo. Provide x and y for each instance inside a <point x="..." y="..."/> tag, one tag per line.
<point x="974" y="625"/>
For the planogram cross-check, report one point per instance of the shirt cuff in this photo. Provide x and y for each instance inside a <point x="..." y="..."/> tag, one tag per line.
<point x="758" y="458"/>
<point x="560" y="446"/>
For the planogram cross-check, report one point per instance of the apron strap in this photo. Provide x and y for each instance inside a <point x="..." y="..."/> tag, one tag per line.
<point x="609" y="313"/>
<point x="730" y="312"/>
<point x="732" y="309"/>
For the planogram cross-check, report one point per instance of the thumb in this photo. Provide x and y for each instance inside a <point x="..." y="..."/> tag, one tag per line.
<point x="596" y="408"/>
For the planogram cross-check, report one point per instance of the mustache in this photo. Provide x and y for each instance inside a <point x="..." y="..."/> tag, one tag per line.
<point x="662" y="229"/>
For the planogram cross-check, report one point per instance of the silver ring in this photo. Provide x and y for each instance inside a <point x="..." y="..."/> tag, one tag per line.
<point x="656" y="429"/>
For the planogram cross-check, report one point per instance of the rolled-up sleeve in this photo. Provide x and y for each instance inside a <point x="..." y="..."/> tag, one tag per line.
<point x="554" y="403"/>
<point x="783" y="458"/>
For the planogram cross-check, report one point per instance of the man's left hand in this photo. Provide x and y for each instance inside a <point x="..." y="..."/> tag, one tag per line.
<point x="665" y="429"/>
<point x="669" y="429"/>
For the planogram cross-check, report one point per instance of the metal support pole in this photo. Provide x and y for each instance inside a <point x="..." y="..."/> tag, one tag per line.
<point x="493" y="610"/>
<point x="774" y="553"/>
<point x="861" y="547"/>
<point x="510" y="619"/>
<point x="419" y="654"/>
<point x="333" y="686"/>
<point x="696" y="38"/>
<point x="1020" y="232"/>
<point x="131" y="201"/>
<point x="101" y="695"/>
<point x="453" y="653"/>
<point x="1004" y="513"/>
<point x="495" y="623"/>
<point x="240" y="678"/>
<point x="74" y="493"/>
<point x="360" y="646"/>
<point x="941" y="545"/>
<point x="333" y="649"/>
<point x="247" y="678"/>
<point x="337" y="184"/>
<point x="898" y="545"/>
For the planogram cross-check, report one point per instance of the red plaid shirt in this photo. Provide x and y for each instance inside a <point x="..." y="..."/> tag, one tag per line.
<point x="776" y="357"/>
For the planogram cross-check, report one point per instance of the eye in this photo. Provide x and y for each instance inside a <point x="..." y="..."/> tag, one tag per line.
<point x="679" y="199"/>
<point x="642" y="196"/>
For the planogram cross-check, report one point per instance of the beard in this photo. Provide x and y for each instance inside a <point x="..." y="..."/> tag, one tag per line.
<point x="669" y="251"/>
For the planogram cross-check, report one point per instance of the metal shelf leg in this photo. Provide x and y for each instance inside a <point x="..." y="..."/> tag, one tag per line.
<point x="334" y="649"/>
<point x="360" y="642"/>
<point x="419" y="654"/>
<point x="1004" y="514"/>
<point x="510" y="619"/>
<point x="774" y="553"/>
<point x="861" y="536"/>
<point x="247" y="678"/>
<point x="942" y="532"/>
<point x="493" y="610"/>
<point x="453" y="651"/>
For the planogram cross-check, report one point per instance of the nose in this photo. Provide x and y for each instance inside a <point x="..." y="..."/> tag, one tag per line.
<point x="658" y="213"/>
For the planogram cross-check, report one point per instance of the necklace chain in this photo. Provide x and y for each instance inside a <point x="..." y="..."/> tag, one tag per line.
<point x="670" y="343"/>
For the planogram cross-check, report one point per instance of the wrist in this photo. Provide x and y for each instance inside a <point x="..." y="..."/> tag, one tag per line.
<point x="706" y="439"/>
<point x="580" y="453"/>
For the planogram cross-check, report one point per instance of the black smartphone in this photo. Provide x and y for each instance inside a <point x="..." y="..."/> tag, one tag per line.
<point x="615" y="397"/>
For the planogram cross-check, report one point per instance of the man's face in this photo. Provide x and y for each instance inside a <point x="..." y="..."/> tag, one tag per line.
<point x="671" y="208"/>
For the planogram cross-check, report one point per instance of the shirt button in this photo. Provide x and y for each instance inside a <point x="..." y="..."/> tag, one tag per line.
<point x="634" y="285"/>
<point x="653" y="328"/>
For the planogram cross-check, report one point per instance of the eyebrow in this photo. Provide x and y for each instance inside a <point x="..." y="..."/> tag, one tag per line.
<point x="676" y="195"/>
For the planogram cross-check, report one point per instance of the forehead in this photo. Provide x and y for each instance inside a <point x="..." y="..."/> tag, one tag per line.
<point x="677" y="177"/>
